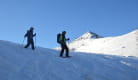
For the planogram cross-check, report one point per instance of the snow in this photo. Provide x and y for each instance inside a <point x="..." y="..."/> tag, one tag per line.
<point x="124" y="45"/>
<point x="17" y="63"/>
<point x="89" y="35"/>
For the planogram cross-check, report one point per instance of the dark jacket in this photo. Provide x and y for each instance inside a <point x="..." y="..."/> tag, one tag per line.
<point x="29" y="34"/>
<point x="63" y="38"/>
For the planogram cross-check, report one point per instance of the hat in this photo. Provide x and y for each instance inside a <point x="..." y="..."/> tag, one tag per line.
<point x="31" y="28"/>
<point x="63" y="31"/>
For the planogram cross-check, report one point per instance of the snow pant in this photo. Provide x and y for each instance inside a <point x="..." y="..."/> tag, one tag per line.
<point x="30" y="42"/>
<point x="64" y="47"/>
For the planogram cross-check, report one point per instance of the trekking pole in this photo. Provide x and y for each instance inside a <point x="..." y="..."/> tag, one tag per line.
<point x="23" y="41"/>
<point x="68" y="42"/>
<point x="35" y="41"/>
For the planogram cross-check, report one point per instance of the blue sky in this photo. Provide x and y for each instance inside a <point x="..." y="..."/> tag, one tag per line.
<point x="49" y="17"/>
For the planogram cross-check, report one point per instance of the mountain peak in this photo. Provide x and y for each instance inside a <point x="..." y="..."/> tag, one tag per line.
<point x="89" y="35"/>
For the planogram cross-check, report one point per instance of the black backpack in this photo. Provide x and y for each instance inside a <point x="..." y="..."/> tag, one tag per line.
<point x="58" y="38"/>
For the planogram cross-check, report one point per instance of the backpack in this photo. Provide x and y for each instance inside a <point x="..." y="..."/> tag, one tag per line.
<point x="58" y="38"/>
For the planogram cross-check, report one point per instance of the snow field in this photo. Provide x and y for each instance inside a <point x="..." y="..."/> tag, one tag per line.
<point x="17" y="63"/>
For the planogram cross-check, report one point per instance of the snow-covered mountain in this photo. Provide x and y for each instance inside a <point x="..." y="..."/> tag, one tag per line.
<point x="89" y="35"/>
<point x="124" y="45"/>
<point x="18" y="63"/>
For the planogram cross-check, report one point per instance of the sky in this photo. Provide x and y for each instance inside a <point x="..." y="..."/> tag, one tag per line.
<point x="49" y="17"/>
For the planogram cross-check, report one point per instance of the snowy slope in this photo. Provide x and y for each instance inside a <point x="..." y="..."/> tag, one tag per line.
<point x="17" y="63"/>
<point x="125" y="45"/>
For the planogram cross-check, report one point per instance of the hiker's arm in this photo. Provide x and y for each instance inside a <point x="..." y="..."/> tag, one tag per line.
<point x="25" y="35"/>
<point x="34" y="34"/>
<point x="67" y="39"/>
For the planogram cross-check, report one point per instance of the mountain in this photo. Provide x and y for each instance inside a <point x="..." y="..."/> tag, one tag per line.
<point x="124" y="45"/>
<point x="89" y="35"/>
<point x="18" y="63"/>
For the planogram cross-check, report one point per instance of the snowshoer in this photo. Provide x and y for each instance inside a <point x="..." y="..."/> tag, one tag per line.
<point x="30" y="40"/>
<point x="61" y="39"/>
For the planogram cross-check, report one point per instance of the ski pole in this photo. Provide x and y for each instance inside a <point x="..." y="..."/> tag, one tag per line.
<point x="35" y="41"/>
<point x="23" y="41"/>
<point x="68" y="42"/>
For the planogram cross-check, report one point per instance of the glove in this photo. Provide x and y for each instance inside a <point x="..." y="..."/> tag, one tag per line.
<point x="35" y="34"/>
<point x="68" y="39"/>
<point x="24" y="36"/>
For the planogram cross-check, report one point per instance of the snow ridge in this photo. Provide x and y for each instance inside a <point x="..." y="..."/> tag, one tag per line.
<point x="124" y="45"/>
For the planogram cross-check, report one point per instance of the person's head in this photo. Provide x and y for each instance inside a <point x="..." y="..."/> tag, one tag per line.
<point x="64" y="32"/>
<point x="31" y="28"/>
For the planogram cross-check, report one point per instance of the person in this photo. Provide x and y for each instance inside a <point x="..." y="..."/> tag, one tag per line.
<point x="30" y="36"/>
<point x="62" y="42"/>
